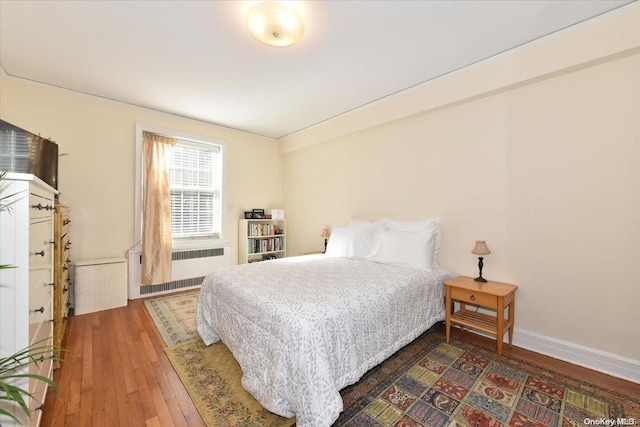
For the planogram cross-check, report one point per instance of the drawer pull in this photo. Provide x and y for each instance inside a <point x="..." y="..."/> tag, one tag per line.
<point x="66" y="221"/>
<point x="65" y="268"/>
<point x="41" y="253"/>
<point x="41" y="359"/>
<point x="67" y="245"/>
<point x="472" y="297"/>
<point x="40" y="408"/>
<point x="51" y="284"/>
<point x="41" y="310"/>
<point x="40" y="207"/>
<point x="65" y="290"/>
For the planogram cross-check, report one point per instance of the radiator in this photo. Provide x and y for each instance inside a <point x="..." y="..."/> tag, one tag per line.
<point x="188" y="270"/>
<point x="100" y="285"/>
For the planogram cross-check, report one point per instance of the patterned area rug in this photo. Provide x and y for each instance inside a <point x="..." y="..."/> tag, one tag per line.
<point x="174" y="316"/>
<point x="212" y="377"/>
<point x="431" y="383"/>
<point x="427" y="383"/>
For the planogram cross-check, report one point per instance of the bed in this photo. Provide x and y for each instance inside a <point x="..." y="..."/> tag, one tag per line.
<point x="303" y="328"/>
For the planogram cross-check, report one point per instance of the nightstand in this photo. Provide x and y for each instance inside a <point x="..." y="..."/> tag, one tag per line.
<point x="493" y="295"/>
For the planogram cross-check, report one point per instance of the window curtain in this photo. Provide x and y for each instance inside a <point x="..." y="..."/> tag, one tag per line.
<point x="156" y="209"/>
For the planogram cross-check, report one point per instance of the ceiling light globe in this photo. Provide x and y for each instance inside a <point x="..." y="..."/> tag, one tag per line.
<point x="275" y="23"/>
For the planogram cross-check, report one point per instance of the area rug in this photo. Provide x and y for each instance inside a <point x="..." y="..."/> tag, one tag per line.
<point x="432" y="383"/>
<point x="427" y="383"/>
<point x="174" y="316"/>
<point x="212" y="378"/>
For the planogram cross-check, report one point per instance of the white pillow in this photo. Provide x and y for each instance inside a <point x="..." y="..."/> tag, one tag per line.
<point x="356" y="223"/>
<point x="406" y="248"/>
<point x="368" y="234"/>
<point x="353" y="243"/>
<point x="429" y="224"/>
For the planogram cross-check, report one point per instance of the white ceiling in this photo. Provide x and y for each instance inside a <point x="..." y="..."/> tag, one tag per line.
<point x="196" y="59"/>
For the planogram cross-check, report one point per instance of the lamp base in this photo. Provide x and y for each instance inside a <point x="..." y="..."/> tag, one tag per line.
<point x="480" y="265"/>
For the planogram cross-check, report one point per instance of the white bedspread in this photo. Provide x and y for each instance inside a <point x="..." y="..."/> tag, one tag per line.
<point x="303" y="328"/>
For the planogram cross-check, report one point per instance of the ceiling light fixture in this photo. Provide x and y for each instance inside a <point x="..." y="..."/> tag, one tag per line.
<point x="275" y="23"/>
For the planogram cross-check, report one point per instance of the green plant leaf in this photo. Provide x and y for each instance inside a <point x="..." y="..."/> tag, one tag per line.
<point x="8" y="414"/>
<point x="13" y="393"/>
<point x="16" y="366"/>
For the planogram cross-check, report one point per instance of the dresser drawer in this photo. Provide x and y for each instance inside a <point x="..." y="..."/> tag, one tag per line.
<point x="40" y="291"/>
<point x="64" y="267"/>
<point x="40" y="207"/>
<point x="38" y="391"/>
<point x="65" y="282"/>
<point x="63" y="311"/>
<point x="41" y="333"/>
<point x="474" y="297"/>
<point x="40" y="243"/>
<point x="40" y="318"/>
<point x="39" y="388"/>
<point x="44" y="359"/>
<point x="39" y="280"/>
<point x="65" y="246"/>
<point x="65" y="297"/>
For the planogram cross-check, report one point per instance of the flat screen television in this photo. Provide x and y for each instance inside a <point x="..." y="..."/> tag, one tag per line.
<point x="24" y="152"/>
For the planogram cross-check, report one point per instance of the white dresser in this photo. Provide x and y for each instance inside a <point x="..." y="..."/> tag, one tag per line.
<point x="26" y="291"/>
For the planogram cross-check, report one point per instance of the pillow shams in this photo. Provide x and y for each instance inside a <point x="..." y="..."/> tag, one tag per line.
<point x="430" y="224"/>
<point x="357" y="223"/>
<point x="363" y="240"/>
<point x="368" y="234"/>
<point x="405" y="248"/>
<point x="354" y="243"/>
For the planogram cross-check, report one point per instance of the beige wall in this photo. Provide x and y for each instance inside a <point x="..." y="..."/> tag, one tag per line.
<point x="543" y="165"/>
<point x="96" y="178"/>
<point x="536" y="151"/>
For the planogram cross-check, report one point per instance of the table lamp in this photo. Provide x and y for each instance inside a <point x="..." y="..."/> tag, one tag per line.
<point x="480" y="248"/>
<point x="325" y="233"/>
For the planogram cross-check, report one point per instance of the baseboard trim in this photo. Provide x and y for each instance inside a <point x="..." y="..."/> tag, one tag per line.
<point x="598" y="360"/>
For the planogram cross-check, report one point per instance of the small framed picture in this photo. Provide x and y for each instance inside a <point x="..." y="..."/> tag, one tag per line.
<point x="248" y="215"/>
<point x="257" y="213"/>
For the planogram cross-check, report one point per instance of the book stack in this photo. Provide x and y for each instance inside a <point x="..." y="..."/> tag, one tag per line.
<point x="256" y="246"/>
<point x="259" y="229"/>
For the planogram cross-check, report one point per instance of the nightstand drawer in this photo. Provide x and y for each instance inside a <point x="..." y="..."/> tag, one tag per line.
<point x="474" y="297"/>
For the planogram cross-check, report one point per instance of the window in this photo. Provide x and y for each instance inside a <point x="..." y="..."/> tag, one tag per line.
<point x="194" y="181"/>
<point x="14" y="149"/>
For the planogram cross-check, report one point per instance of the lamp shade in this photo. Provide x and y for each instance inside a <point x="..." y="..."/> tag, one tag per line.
<point x="481" y="248"/>
<point x="275" y="23"/>
<point x="325" y="233"/>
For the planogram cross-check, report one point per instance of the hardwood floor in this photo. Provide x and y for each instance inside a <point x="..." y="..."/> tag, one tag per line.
<point x="116" y="374"/>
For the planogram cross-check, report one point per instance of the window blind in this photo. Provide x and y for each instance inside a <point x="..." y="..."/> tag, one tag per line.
<point x="194" y="180"/>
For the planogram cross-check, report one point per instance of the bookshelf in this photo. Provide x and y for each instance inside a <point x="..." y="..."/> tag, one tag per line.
<point x="261" y="239"/>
